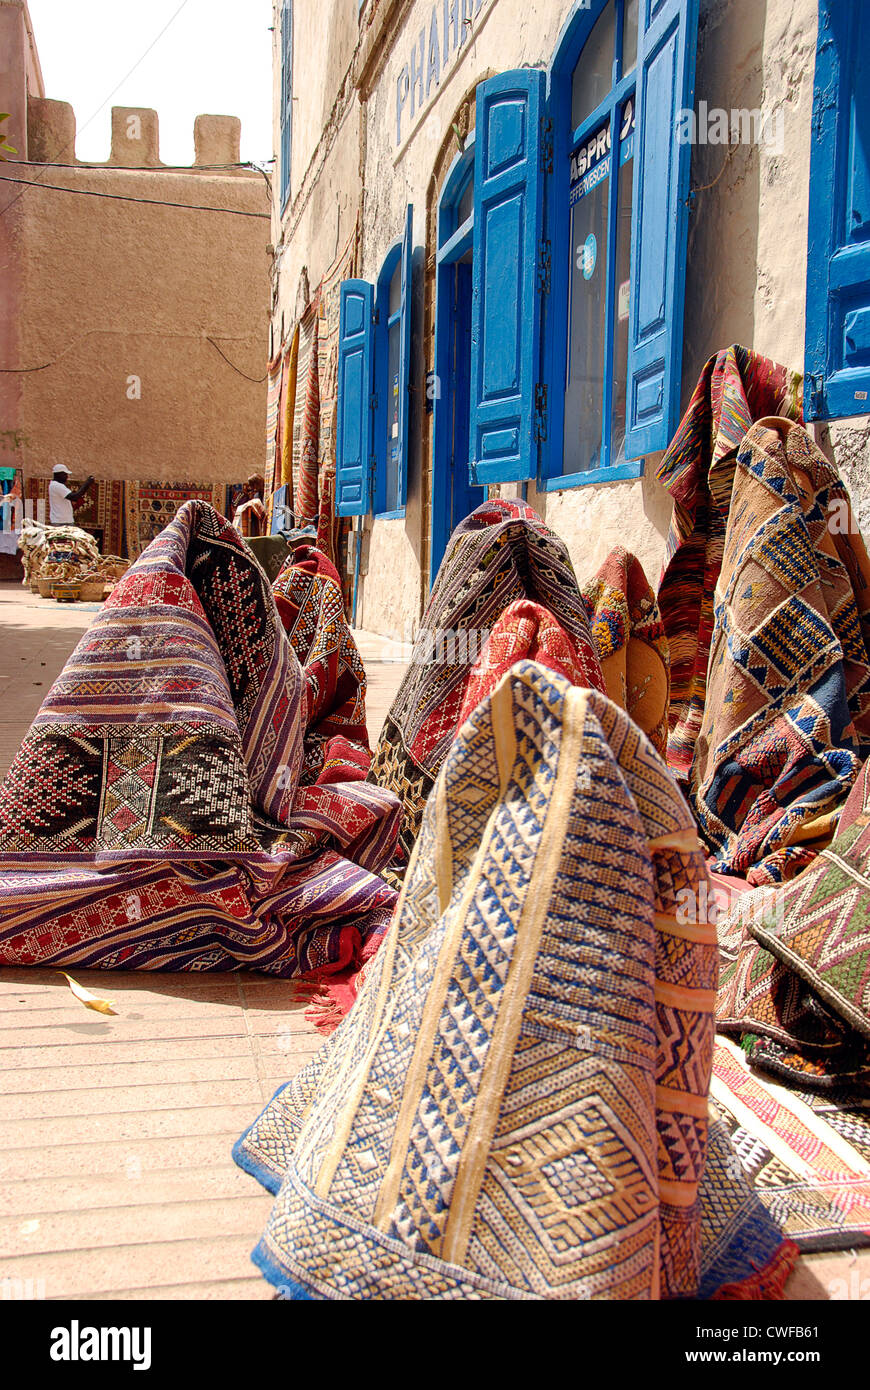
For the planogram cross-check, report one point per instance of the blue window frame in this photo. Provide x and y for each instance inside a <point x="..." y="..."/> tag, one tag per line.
<point x="374" y="365"/>
<point x="614" y="246"/>
<point x="286" y="97"/>
<point x="838" y="262"/>
<point x="581" y="208"/>
<point x="454" y="495"/>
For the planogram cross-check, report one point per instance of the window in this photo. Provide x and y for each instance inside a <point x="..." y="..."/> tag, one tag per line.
<point x="453" y="494"/>
<point x="838" y="262"/>
<point x="286" y="97"/>
<point x="600" y="200"/>
<point x="580" y="207"/>
<point x="374" y="362"/>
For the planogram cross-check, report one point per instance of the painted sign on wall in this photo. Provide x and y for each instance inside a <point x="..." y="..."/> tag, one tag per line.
<point x="433" y="54"/>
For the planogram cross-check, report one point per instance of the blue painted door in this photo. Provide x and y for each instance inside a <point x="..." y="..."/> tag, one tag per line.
<point x="665" y="86"/>
<point x="505" y="331"/>
<point x="353" y="434"/>
<point x="405" y="356"/>
<point x="838" y="261"/>
<point x="454" y="496"/>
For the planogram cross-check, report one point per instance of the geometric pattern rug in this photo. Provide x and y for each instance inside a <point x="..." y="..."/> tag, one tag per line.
<point x="786" y="723"/>
<point x="154" y="818"/>
<point x="516" y="1106"/>
<point x="151" y="506"/>
<point x="805" y="1154"/>
<point x="500" y="553"/>
<point x="794" y="985"/>
<point x="736" y="387"/>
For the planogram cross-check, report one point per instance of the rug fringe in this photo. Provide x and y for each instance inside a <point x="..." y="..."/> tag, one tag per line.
<point x="766" y="1284"/>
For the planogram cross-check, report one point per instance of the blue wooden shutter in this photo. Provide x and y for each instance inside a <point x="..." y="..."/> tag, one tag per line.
<point x="354" y="415"/>
<point x="838" y="261"/>
<point x="405" y="353"/>
<point x="665" y="86"/>
<point x="506" y="308"/>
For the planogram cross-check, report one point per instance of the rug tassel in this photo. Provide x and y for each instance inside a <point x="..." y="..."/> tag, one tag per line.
<point x="767" y="1284"/>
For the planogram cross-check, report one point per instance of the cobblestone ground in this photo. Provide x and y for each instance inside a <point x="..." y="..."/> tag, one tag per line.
<point x="115" y="1133"/>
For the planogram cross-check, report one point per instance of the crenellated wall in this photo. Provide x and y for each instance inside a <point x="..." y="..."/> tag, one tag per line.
<point x="134" y="296"/>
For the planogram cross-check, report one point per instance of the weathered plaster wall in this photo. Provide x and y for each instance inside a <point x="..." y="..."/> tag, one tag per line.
<point x="113" y="290"/>
<point x="20" y="77"/>
<point x="747" y="242"/>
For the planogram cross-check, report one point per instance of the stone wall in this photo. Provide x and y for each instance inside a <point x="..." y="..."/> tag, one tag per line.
<point x="138" y="329"/>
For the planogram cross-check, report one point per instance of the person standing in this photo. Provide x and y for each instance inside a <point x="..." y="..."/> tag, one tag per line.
<point x="250" y="516"/>
<point x="61" y="500"/>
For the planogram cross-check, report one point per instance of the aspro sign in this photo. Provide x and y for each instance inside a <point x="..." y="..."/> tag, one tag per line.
<point x="433" y="53"/>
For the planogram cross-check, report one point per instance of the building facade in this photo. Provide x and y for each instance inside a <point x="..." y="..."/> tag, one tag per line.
<point x="533" y="298"/>
<point x="134" y="297"/>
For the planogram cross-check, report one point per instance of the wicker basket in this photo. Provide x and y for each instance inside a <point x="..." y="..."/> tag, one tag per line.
<point x="45" y="587"/>
<point x="66" y="590"/>
<point x="93" y="591"/>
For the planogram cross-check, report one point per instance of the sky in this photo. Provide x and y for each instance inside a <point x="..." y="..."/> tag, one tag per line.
<point x="215" y="58"/>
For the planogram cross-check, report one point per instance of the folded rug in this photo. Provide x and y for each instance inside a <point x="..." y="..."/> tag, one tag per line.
<point x="517" y="1105"/>
<point x="309" y="600"/>
<point x="806" y="1157"/>
<point x="795" y="985"/>
<point x="154" y="817"/>
<point x="786" y="724"/>
<point x="627" y="630"/>
<point x="736" y="387"/>
<point x="501" y="553"/>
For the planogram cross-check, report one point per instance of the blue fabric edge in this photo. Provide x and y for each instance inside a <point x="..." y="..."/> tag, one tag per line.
<point x="245" y="1160"/>
<point x="291" y="1290"/>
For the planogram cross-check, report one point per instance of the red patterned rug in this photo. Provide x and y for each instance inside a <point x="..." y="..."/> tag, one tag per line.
<point x="151" y="506"/>
<point x="154" y="816"/>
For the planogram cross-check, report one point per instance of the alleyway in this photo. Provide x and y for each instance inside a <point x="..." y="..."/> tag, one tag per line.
<point x="117" y="1179"/>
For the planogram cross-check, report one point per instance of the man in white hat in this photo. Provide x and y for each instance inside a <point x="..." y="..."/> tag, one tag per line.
<point x="61" y="500"/>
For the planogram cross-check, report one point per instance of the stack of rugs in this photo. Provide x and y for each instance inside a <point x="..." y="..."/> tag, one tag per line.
<point x="588" y="930"/>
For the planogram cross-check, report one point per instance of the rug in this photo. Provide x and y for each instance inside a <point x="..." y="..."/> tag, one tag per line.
<point x="273" y="408"/>
<point x="786" y="724"/>
<point x="271" y="553"/>
<point x="310" y="603"/>
<point x="154" y="818"/>
<point x="806" y="1156"/>
<point x="501" y="553"/>
<point x="516" y="1108"/>
<point x="306" y="505"/>
<point x="736" y="387"/>
<point x="151" y="506"/>
<point x="284" y="474"/>
<point x="526" y="631"/>
<point x="627" y="630"/>
<point x="795" y="986"/>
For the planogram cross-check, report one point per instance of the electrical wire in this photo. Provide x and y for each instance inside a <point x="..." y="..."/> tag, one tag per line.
<point x="120" y="332"/>
<point x="257" y="380"/>
<point x="126" y="198"/>
<point x="107" y="99"/>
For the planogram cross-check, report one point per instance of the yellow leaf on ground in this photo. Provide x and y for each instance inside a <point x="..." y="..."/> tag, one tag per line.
<point x="84" y="996"/>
